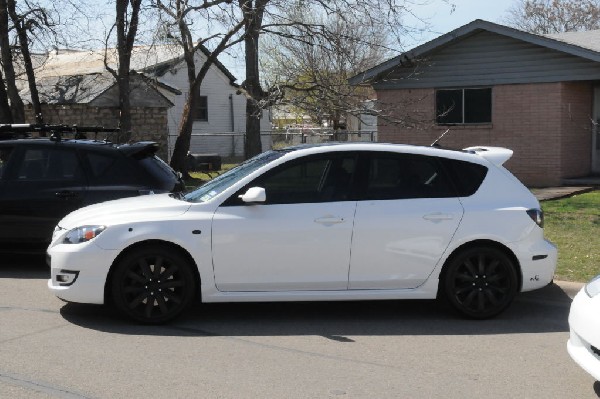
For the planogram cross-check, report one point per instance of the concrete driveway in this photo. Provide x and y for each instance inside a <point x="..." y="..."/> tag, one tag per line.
<point x="394" y="349"/>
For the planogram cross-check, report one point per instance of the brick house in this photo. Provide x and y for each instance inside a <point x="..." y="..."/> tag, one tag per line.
<point x="494" y="85"/>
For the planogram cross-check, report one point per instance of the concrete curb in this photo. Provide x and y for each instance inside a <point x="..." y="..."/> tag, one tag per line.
<point x="569" y="287"/>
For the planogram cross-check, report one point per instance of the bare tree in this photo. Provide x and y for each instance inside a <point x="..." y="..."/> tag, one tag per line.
<point x="318" y="44"/>
<point x="253" y="14"/>
<point x="554" y="16"/>
<point x="314" y="72"/>
<point x="126" y="25"/>
<point x="24" y="23"/>
<point x="178" y="16"/>
<point x="16" y="104"/>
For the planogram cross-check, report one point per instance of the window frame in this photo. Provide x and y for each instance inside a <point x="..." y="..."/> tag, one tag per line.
<point x="201" y="111"/>
<point x="330" y="157"/>
<point x="463" y="121"/>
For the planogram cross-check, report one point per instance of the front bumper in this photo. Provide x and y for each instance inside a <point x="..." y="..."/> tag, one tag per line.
<point x="584" y="339"/>
<point x="79" y="272"/>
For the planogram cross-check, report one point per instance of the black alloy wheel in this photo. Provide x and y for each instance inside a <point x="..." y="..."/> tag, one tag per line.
<point x="481" y="282"/>
<point x="153" y="284"/>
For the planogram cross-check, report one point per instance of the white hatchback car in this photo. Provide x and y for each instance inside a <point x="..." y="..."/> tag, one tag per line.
<point x="315" y="223"/>
<point x="584" y="322"/>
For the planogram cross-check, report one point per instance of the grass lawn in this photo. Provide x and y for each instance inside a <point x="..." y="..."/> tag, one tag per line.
<point x="198" y="178"/>
<point x="573" y="224"/>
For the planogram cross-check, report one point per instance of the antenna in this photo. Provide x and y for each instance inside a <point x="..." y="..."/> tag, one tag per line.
<point x="435" y="143"/>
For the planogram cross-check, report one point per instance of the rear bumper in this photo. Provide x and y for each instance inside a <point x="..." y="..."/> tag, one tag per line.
<point x="538" y="264"/>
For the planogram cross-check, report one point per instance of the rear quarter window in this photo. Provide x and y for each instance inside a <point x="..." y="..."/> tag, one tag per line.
<point x="160" y="172"/>
<point x="466" y="176"/>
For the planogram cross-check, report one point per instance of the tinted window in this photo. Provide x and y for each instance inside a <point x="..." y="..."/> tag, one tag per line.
<point x="231" y="177"/>
<point x="401" y="176"/>
<point x="99" y="163"/>
<point x="160" y="171"/>
<point x="4" y="155"/>
<point x="467" y="176"/>
<point x="110" y="170"/>
<point x="42" y="164"/>
<point x="320" y="179"/>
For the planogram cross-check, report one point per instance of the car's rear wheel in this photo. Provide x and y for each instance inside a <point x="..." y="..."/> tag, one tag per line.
<point x="153" y="284"/>
<point x="480" y="282"/>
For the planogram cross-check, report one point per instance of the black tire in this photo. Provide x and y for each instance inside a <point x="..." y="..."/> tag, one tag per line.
<point x="480" y="282"/>
<point x="153" y="284"/>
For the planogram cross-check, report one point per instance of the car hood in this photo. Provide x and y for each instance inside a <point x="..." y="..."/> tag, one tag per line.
<point x="142" y="208"/>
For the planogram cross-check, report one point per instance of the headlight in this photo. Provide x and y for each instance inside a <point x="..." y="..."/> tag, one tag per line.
<point x="593" y="287"/>
<point x="82" y="234"/>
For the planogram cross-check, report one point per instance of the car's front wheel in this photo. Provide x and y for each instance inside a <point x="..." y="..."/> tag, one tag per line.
<point x="153" y="284"/>
<point x="480" y="282"/>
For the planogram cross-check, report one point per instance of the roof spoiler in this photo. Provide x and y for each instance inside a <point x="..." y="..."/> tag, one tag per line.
<point x="140" y="149"/>
<point x="496" y="155"/>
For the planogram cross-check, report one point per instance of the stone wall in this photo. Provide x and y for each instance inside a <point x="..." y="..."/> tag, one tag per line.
<point x="149" y="124"/>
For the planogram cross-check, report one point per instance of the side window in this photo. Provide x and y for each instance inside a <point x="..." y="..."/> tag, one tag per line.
<point x="467" y="176"/>
<point x="403" y="176"/>
<point x="463" y="106"/>
<point x="202" y="109"/>
<point x="109" y="170"/>
<point x="314" y="180"/>
<point x="49" y="164"/>
<point x="4" y="156"/>
<point x="99" y="163"/>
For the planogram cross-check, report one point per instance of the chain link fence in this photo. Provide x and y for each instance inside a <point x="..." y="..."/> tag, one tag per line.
<point x="231" y="145"/>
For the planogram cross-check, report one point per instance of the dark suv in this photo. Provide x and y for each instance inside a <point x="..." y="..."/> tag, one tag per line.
<point x="42" y="180"/>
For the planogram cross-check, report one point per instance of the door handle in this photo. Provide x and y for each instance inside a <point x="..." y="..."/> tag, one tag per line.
<point x="329" y="220"/>
<point x="438" y="216"/>
<point x="66" y="194"/>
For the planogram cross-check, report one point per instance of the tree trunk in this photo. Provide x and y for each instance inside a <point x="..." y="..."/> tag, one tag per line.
<point x="182" y="144"/>
<point x="16" y="104"/>
<point x="5" y="114"/>
<point x="24" y="44"/>
<point x="253" y="17"/>
<point x="125" y="40"/>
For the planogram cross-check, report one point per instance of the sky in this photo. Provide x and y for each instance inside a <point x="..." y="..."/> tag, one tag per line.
<point x="443" y="20"/>
<point x="437" y="13"/>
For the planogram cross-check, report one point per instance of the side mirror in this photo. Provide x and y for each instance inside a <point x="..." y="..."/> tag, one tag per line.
<point x="254" y="195"/>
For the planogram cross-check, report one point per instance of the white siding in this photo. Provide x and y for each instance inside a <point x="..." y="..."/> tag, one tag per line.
<point x="218" y="89"/>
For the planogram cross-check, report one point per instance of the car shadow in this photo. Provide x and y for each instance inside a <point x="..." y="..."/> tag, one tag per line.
<point x="545" y="310"/>
<point x="24" y="266"/>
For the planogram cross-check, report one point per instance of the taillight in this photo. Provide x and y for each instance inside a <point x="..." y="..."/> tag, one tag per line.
<point x="537" y="215"/>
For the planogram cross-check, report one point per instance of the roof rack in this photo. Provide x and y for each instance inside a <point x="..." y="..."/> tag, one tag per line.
<point x="55" y="132"/>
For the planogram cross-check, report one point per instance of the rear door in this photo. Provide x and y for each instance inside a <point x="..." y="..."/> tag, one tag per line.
<point x="42" y="185"/>
<point x="406" y="218"/>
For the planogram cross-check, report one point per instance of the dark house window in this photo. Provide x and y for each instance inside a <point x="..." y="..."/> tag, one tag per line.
<point x="463" y="106"/>
<point x="202" y="109"/>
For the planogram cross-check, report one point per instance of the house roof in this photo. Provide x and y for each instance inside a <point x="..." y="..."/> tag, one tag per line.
<point x="155" y="59"/>
<point x="581" y="44"/>
<point x="80" y="76"/>
<point x="95" y="88"/>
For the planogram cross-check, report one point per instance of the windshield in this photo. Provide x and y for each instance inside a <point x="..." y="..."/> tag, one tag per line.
<point x="221" y="183"/>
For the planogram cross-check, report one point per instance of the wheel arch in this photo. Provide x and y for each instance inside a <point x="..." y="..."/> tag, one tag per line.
<point x="150" y="243"/>
<point x="481" y="243"/>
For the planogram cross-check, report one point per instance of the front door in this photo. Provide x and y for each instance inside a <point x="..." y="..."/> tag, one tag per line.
<point x="299" y="239"/>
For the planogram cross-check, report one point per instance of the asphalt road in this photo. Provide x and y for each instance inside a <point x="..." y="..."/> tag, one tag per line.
<point x="394" y="349"/>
